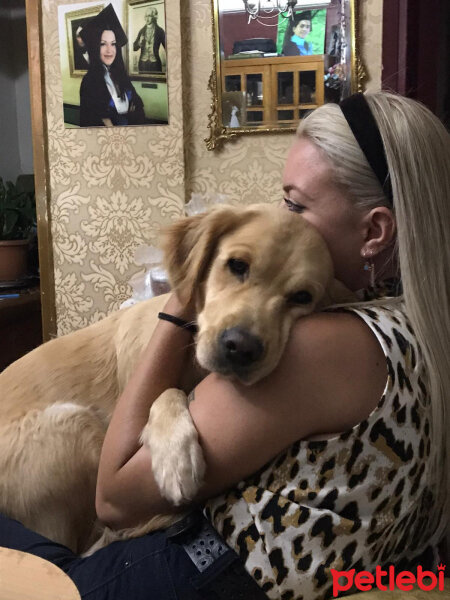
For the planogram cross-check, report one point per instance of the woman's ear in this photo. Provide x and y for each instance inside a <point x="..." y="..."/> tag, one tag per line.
<point x="189" y="246"/>
<point x="380" y="229"/>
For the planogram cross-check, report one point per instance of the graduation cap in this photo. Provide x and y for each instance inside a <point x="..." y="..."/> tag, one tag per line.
<point x="305" y="15"/>
<point x="105" y="20"/>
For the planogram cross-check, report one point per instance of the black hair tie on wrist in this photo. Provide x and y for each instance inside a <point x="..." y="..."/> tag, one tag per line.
<point x="178" y="322"/>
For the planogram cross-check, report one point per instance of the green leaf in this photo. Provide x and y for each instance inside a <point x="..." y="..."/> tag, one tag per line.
<point x="17" y="212"/>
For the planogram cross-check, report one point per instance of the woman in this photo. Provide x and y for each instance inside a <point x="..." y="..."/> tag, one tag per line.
<point x="324" y="466"/>
<point x="107" y="96"/>
<point x="295" y="43"/>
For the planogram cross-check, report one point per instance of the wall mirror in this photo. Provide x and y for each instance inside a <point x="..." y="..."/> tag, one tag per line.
<point x="275" y="60"/>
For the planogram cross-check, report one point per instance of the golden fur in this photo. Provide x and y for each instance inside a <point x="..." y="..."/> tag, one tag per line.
<point x="55" y="402"/>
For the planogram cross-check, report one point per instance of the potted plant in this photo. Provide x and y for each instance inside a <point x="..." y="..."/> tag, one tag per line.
<point x="17" y="220"/>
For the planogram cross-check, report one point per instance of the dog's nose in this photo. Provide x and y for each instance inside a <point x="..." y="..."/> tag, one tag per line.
<point x="239" y="347"/>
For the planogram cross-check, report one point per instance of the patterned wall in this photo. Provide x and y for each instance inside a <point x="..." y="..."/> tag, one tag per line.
<point x="111" y="190"/>
<point x="372" y="30"/>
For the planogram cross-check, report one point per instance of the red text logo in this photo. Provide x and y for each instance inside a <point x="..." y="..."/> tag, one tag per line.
<point x="387" y="580"/>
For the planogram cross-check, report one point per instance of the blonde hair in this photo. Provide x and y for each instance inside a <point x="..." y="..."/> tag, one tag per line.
<point x="418" y="156"/>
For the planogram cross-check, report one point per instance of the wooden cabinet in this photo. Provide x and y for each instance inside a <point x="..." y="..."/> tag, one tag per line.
<point x="279" y="90"/>
<point x="20" y="325"/>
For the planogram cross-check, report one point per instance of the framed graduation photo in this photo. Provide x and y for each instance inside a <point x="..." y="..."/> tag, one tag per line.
<point x="304" y="34"/>
<point x="98" y="88"/>
<point x="146" y="29"/>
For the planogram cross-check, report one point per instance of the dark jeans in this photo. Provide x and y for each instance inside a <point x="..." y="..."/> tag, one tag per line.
<point x="152" y="567"/>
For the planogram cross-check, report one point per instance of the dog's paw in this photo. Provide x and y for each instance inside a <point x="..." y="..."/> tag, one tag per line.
<point x="177" y="458"/>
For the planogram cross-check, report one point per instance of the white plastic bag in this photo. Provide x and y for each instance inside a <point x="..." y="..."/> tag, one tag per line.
<point x="152" y="280"/>
<point x="201" y="202"/>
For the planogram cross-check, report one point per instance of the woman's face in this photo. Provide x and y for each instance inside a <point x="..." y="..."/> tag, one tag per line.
<point x="302" y="28"/>
<point x="309" y="190"/>
<point x="108" y="47"/>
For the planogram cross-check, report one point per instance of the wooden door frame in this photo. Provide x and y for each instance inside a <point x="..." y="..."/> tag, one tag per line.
<point x="410" y="50"/>
<point x="41" y="170"/>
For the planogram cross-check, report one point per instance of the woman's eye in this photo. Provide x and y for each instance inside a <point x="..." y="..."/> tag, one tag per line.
<point x="238" y="267"/>
<point x="293" y="206"/>
<point x="301" y="297"/>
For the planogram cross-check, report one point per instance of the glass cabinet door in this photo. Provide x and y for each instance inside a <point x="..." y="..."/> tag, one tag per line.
<point x="307" y="87"/>
<point x="285" y="99"/>
<point x="232" y="83"/>
<point x="246" y="100"/>
<point x="254" y="87"/>
<point x="296" y="89"/>
<point x="255" y="96"/>
<point x="260" y="92"/>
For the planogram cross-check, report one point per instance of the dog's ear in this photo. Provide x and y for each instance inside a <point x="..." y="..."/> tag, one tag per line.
<point x="336" y="293"/>
<point x="189" y="246"/>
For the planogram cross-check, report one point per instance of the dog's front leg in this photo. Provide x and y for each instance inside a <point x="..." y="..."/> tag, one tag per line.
<point x="177" y="457"/>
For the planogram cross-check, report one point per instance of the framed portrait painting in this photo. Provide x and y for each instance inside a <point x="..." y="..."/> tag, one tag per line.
<point x="146" y="29"/>
<point x="305" y="35"/>
<point x="76" y="50"/>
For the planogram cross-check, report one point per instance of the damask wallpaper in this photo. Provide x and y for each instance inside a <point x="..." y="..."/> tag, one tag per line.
<point x="111" y="190"/>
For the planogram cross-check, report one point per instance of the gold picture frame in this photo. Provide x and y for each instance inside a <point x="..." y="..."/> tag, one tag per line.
<point x="135" y="26"/>
<point x="75" y="19"/>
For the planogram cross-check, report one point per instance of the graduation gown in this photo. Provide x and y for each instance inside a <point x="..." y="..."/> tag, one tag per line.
<point x="96" y="103"/>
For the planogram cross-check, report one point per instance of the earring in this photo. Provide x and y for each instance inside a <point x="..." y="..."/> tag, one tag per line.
<point x="369" y="266"/>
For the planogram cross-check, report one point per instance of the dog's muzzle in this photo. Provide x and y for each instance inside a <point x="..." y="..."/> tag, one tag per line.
<point x="239" y="349"/>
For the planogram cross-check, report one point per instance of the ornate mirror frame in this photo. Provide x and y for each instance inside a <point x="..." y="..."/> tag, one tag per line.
<point x="350" y="83"/>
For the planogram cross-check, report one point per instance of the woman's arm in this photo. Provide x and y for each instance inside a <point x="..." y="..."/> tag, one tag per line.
<point x="94" y="98"/>
<point x="160" y="368"/>
<point x="330" y="378"/>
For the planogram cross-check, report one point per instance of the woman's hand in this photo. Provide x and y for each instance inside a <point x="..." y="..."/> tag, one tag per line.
<point x="176" y="308"/>
<point x="162" y="366"/>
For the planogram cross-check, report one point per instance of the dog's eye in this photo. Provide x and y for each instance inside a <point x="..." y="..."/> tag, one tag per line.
<point x="302" y="297"/>
<point x="238" y="267"/>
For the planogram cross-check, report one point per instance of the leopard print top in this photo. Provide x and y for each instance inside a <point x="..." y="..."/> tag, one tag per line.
<point x="354" y="501"/>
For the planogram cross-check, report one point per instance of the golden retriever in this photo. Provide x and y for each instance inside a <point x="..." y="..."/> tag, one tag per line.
<point x="251" y="271"/>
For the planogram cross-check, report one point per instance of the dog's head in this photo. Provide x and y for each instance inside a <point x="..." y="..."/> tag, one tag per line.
<point x="252" y="272"/>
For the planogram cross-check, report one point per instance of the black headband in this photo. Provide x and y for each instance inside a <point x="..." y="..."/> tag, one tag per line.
<point x="365" y="129"/>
